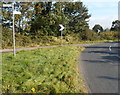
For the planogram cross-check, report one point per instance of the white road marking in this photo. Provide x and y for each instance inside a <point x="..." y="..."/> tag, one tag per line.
<point x="109" y="48"/>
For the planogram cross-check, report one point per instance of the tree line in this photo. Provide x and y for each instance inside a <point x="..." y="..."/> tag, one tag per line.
<point x="42" y="19"/>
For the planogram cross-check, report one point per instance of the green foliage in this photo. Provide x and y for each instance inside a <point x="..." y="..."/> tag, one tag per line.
<point x="6" y="37"/>
<point x="86" y="36"/>
<point x="47" y="26"/>
<point x="22" y="21"/>
<point x="78" y="15"/>
<point x="115" y="25"/>
<point x="89" y="35"/>
<point x="72" y="38"/>
<point x="110" y="35"/>
<point x="107" y="30"/>
<point x="53" y="70"/>
<point x="72" y="15"/>
<point x="97" y="27"/>
<point x="39" y="24"/>
<point x="7" y="40"/>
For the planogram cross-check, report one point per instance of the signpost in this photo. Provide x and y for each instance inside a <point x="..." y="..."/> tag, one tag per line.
<point x="61" y="29"/>
<point x="98" y="34"/>
<point x="98" y="31"/>
<point x="14" y="12"/>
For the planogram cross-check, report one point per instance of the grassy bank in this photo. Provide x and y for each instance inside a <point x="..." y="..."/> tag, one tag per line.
<point x="53" y="70"/>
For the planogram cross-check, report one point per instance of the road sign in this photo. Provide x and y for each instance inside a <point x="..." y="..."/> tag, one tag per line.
<point x="61" y="27"/>
<point x="16" y="12"/>
<point x="7" y="5"/>
<point x="98" y="31"/>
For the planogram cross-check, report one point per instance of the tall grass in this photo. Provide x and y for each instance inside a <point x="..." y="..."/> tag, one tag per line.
<point x="48" y="70"/>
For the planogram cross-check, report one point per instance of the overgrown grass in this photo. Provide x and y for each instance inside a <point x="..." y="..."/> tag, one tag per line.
<point x="48" y="70"/>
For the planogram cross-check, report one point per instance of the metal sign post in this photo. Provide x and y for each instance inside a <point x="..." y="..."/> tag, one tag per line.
<point x="14" y="52"/>
<point x="61" y="28"/>
<point x="14" y="12"/>
<point x="98" y="34"/>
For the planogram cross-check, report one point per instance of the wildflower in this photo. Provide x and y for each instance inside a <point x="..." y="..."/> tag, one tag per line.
<point x="33" y="89"/>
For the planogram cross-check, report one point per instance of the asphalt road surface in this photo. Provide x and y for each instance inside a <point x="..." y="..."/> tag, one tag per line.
<point x="99" y="67"/>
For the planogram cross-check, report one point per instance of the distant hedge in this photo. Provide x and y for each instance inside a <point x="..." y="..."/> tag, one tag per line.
<point x="73" y="38"/>
<point x="113" y="35"/>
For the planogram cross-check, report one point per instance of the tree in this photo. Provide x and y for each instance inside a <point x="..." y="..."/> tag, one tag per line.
<point x="7" y="17"/>
<point x="73" y="15"/>
<point x="47" y="19"/>
<point x="97" y="28"/>
<point x="78" y="15"/>
<point x="107" y="30"/>
<point x="21" y="21"/>
<point x="115" y="25"/>
<point x="89" y="35"/>
<point x="43" y="18"/>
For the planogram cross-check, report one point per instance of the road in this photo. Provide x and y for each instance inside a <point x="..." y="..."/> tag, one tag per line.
<point x="99" y="66"/>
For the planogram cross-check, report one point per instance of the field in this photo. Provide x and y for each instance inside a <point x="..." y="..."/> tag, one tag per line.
<point x="47" y="70"/>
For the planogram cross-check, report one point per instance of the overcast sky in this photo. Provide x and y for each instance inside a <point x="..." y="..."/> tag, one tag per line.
<point x="102" y="12"/>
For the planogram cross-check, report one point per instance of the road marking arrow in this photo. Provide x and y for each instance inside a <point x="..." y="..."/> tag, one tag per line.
<point x="61" y="27"/>
<point x="110" y="48"/>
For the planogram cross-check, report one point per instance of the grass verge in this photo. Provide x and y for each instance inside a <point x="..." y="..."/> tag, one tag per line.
<point x="47" y="70"/>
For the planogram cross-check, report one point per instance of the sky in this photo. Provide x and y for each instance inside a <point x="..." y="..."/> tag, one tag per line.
<point x="102" y="12"/>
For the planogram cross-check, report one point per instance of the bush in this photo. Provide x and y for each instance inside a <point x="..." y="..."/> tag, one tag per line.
<point x="7" y="41"/>
<point x="22" y="40"/>
<point x="6" y="38"/>
<point x="89" y="35"/>
<point x="109" y="35"/>
<point x="73" y="38"/>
